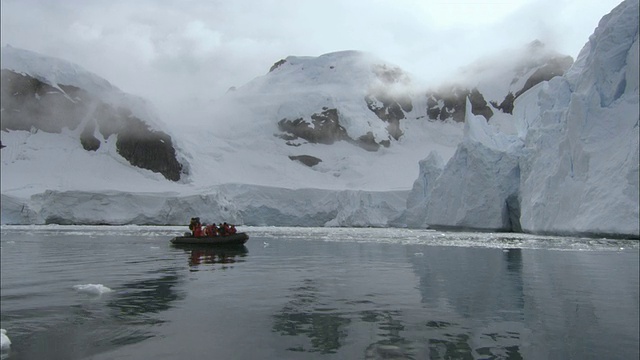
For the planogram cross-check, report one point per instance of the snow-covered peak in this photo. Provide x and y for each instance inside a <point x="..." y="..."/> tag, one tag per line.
<point x="346" y="86"/>
<point x="340" y="76"/>
<point x="343" y="67"/>
<point x="508" y="72"/>
<point x="59" y="73"/>
<point x="54" y="110"/>
<point x="52" y="71"/>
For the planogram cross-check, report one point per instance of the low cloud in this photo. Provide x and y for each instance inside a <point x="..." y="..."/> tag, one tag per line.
<point x="182" y="52"/>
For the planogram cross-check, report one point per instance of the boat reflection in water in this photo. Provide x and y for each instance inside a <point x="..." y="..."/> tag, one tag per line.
<point x="202" y="255"/>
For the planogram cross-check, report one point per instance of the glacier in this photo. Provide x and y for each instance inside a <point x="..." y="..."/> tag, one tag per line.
<point x="572" y="167"/>
<point x="473" y="188"/>
<point x="233" y="203"/>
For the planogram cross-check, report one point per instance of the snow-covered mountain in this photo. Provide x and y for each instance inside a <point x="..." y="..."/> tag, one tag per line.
<point x="334" y="140"/>
<point x="572" y="167"/>
<point x="49" y="104"/>
<point x="344" y="120"/>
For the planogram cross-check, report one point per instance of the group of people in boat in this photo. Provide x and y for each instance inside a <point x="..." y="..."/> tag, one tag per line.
<point x="199" y="230"/>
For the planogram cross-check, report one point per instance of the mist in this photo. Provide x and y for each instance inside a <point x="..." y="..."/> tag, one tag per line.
<point x="183" y="55"/>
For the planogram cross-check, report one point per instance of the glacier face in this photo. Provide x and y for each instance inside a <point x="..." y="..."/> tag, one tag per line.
<point x="237" y="204"/>
<point x="572" y="168"/>
<point x="580" y="174"/>
<point x="473" y="188"/>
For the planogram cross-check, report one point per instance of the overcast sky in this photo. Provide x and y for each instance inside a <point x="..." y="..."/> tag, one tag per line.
<point x="200" y="48"/>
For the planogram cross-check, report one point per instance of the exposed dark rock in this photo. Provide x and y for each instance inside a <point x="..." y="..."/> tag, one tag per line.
<point x="308" y="160"/>
<point x="277" y="65"/>
<point x="28" y="102"/>
<point x="506" y="106"/>
<point x="368" y="142"/>
<point x="110" y="120"/>
<point x="450" y="103"/>
<point x="479" y="105"/>
<point x="32" y="105"/>
<point x="87" y="138"/>
<point x="326" y="128"/>
<point x="148" y="149"/>
<point x="555" y="67"/>
<point x="391" y="111"/>
<point x="393" y="107"/>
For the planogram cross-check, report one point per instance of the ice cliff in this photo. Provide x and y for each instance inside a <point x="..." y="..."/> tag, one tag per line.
<point x="573" y="166"/>
<point x="239" y="204"/>
<point x="580" y="172"/>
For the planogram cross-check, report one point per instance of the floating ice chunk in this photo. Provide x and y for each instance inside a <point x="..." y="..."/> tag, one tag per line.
<point x="95" y="289"/>
<point x="5" y="343"/>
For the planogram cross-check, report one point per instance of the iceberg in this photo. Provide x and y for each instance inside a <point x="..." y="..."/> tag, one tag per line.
<point x="5" y="342"/>
<point x="92" y="289"/>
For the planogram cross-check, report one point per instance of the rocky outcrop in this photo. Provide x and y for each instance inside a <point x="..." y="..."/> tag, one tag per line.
<point x="530" y="66"/>
<point x="390" y="106"/>
<point x="31" y="104"/>
<point x="277" y="64"/>
<point x="556" y="66"/>
<point x="28" y="102"/>
<point x="324" y="128"/>
<point x="308" y="160"/>
<point x="449" y="103"/>
<point x="390" y="109"/>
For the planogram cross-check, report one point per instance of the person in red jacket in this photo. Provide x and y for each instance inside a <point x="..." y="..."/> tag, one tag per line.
<point x="211" y="230"/>
<point x="197" y="231"/>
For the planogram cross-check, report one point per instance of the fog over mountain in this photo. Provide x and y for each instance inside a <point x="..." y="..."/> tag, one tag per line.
<point x="333" y="140"/>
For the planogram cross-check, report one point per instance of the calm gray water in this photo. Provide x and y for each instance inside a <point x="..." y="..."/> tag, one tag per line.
<point x="316" y="293"/>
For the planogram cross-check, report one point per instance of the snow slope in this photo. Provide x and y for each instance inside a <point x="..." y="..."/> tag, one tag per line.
<point x="241" y="130"/>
